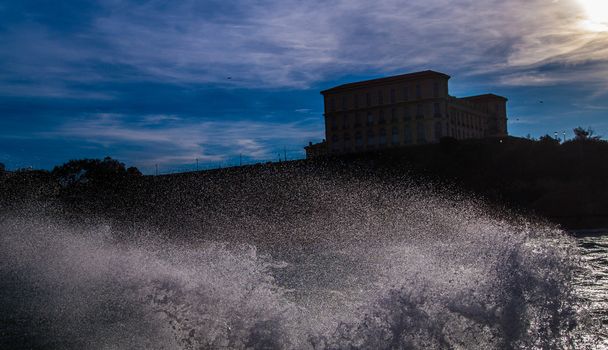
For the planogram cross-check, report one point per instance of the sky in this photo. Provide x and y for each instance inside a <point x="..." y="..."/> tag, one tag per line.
<point x="170" y="82"/>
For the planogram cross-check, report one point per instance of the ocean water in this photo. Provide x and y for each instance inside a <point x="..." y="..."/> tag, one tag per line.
<point x="405" y="269"/>
<point x="592" y="285"/>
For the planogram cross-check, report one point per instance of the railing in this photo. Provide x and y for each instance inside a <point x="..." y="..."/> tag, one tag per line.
<point x="280" y="155"/>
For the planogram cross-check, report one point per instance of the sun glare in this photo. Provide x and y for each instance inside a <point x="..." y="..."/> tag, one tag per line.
<point x="597" y="15"/>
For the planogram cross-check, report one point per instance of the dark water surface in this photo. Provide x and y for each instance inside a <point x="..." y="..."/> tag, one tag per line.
<point x="592" y="286"/>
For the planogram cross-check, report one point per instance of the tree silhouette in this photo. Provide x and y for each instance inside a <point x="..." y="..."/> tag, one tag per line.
<point x="83" y="171"/>
<point x="547" y="139"/>
<point x="133" y="171"/>
<point x="581" y="134"/>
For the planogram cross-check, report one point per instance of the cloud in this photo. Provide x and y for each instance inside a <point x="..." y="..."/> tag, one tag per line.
<point x="175" y="141"/>
<point x="523" y="121"/>
<point x="155" y="81"/>
<point x="289" y="43"/>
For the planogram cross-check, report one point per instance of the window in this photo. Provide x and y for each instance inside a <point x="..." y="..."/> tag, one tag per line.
<point x="380" y="97"/>
<point x="405" y="94"/>
<point x="418" y="91"/>
<point x="343" y="103"/>
<point x="357" y="120"/>
<point x="334" y="122"/>
<point x="332" y="104"/>
<point x="335" y="145"/>
<point x="392" y="95"/>
<point x="358" y="139"/>
<point x="395" y="136"/>
<point x="438" y="131"/>
<point x="419" y="111"/>
<point x="382" y="138"/>
<point x="420" y="133"/>
<point x="436" y="109"/>
<point x="381" y="117"/>
<point x="368" y="99"/>
<point x="356" y="101"/>
<point x="370" y="119"/>
<point x="436" y="89"/>
<point x="345" y="121"/>
<point x="394" y="117"/>
<point x="406" y="113"/>
<point x="346" y="142"/>
<point x="371" y="139"/>
<point x="407" y="134"/>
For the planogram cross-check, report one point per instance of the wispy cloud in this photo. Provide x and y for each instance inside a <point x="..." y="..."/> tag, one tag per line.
<point x="290" y="43"/>
<point x="179" y="141"/>
<point x="133" y="77"/>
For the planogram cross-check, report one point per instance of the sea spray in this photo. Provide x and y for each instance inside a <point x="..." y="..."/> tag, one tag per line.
<point x="361" y="266"/>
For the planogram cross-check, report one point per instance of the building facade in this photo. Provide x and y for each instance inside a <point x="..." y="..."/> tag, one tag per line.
<point x="408" y="109"/>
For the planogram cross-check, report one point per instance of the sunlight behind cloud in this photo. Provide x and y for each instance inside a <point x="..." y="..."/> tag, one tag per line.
<point x="597" y="15"/>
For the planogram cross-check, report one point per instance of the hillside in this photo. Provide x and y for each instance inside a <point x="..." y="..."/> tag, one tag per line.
<point x="566" y="184"/>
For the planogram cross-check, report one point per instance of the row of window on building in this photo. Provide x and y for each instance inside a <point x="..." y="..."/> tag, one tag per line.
<point x="354" y="101"/>
<point x="381" y="117"/>
<point x="458" y="117"/>
<point x="370" y="139"/>
<point x="468" y="120"/>
<point x="412" y="134"/>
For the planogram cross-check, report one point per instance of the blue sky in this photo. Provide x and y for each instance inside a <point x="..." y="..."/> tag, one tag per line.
<point x="167" y="82"/>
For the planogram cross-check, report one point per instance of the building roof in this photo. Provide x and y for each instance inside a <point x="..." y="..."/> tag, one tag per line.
<point x="380" y="81"/>
<point x="485" y="96"/>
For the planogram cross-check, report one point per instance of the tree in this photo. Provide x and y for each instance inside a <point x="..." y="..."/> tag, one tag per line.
<point x="548" y="140"/>
<point x="581" y="134"/>
<point x="2" y="168"/>
<point x="133" y="171"/>
<point x="83" y="171"/>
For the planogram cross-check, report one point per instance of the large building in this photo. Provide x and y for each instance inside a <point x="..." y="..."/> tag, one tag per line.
<point x="408" y="109"/>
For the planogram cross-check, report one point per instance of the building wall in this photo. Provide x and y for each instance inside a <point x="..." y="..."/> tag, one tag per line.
<point x="406" y="110"/>
<point x="411" y="111"/>
<point x="495" y="108"/>
<point x="467" y="121"/>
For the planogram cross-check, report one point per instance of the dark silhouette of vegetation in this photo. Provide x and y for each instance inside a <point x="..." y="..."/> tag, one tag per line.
<point x="581" y="134"/>
<point x="133" y="171"/>
<point x="547" y="139"/>
<point x="83" y="171"/>
<point x="2" y="168"/>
